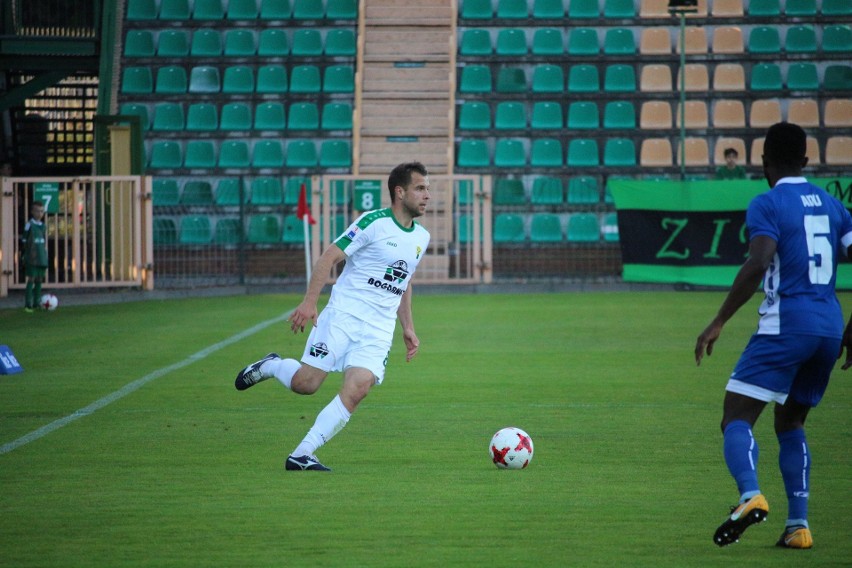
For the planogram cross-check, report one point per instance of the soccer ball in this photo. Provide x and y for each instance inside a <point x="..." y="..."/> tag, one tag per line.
<point x="49" y="302"/>
<point x="511" y="448"/>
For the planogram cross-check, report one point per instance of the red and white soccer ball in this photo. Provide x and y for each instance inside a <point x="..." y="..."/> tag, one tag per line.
<point x="511" y="448"/>
<point x="49" y="302"/>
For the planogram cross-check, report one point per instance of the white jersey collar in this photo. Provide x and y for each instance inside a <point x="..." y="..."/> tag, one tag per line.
<point x="790" y="180"/>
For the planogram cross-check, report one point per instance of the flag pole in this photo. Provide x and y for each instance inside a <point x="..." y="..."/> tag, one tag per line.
<point x="305" y="214"/>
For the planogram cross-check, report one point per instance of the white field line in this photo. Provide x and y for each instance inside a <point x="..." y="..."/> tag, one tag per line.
<point x="136" y="385"/>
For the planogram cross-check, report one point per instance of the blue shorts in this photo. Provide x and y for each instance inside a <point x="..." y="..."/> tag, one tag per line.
<point x="773" y="367"/>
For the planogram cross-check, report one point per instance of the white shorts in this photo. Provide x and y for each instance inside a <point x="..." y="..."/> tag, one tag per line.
<point x="340" y="341"/>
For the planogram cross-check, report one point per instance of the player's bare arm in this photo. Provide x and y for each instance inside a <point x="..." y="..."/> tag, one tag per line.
<point x="307" y="310"/>
<point x="761" y="251"/>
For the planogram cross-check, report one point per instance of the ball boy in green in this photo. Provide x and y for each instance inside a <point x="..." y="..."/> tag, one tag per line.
<point x="34" y="255"/>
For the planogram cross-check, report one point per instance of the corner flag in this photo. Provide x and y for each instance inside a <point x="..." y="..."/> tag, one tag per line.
<point x="303" y="212"/>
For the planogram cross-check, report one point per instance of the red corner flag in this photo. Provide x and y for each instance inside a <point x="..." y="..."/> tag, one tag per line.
<point x="303" y="208"/>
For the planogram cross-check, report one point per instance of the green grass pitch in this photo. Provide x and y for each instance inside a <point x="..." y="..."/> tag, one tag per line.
<point x="186" y="471"/>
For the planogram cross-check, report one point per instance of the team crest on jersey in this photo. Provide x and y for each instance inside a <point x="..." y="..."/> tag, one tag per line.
<point x="397" y="272"/>
<point x="419" y="251"/>
<point x="319" y="350"/>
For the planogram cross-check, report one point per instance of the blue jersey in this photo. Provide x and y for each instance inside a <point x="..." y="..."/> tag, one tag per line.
<point x="812" y="230"/>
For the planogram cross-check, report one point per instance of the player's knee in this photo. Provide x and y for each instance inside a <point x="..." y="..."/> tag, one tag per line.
<point x="306" y="382"/>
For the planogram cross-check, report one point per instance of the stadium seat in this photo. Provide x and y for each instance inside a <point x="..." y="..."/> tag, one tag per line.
<point x="338" y="79"/>
<point x="764" y="39"/>
<point x="465" y="229"/>
<point x="509" y="191"/>
<point x="838" y="151"/>
<point x="139" y="110"/>
<point x="619" y="41"/>
<point x="509" y="153"/>
<point x="302" y="154"/>
<point x="654" y="9"/>
<point x="476" y="9"/>
<point x="165" y="231"/>
<point x="228" y="192"/>
<point x="508" y="228"/>
<point x="609" y="227"/>
<point x="240" y="43"/>
<point x="208" y="10"/>
<point x="620" y="78"/>
<point x="264" y="229"/>
<point x="269" y="116"/>
<point x="583" y="152"/>
<point x="203" y="79"/>
<point x="510" y="115"/>
<point x="242" y="10"/>
<point x="168" y="117"/>
<point x="583" y="9"/>
<point x="340" y="43"/>
<point x="836" y="8"/>
<point x="227" y="232"/>
<point x="266" y="191"/>
<point x="307" y="42"/>
<point x="655" y="41"/>
<point x="294" y="230"/>
<point x="765" y="77"/>
<point x="511" y="80"/>
<point x="512" y="9"/>
<point x="583" y="41"/>
<point x="194" y="230"/>
<point x="303" y="116"/>
<point x="166" y="154"/>
<point x="546" y="153"/>
<point x="728" y="40"/>
<point x="728" y="114"/>
<point x="695" y="115"/>
<point x="474" y="115"/>
<point x="619" y="9"/>
<point x="273" y="42"/>
<point x="267" y="154"/>
<point x="583" y="190"/>
<point x="548" y="79"/>
<point x="757" y="152"/>
<point x="165" y="193"/>
<point x="239" y="79"/>
<point x="308" y="10"/>
<point x="141" y="10"/>
<point x="801" y="39"/>
<point x="619" y="152"/>
<point x="475" y="79"/>
<point x="583" y="79"/>
<point x="800" y="8"/>
<point x="764" y="8"/>
<point x="764" y="113"/>
<point x="838" y="113"/>
<point x="729" y="77"/>
<point x="234" y="154"/>
<point x="696" y="78"/>
<point x="837" y="38"/>
<point x="335" y="153"/>
<point x="271" y="79"/>
<point x="727" y="9"/>
<point x="174" y="10"/>
<point x="137" y="80"/>
<point x="475" y="41"/>
<point x="511" y="41"/>
<point x="545" y="228"/>
<point x="305" y="79"/>
<point x="655" y="115"/>
<point x="196" y="193"/>
<point x="656" y="78"/>
<point x="548" y="41"/>
<point x="583" y="228"/>
<point x="804" y="112"/>
<point x="619" y="114"/>
<point x="293" y="188"/>
<point x="235" y="116"/>
<point x="546" y="191"/>
<point x="341" y="9"/>
<point x="546" y="115"/>
<point x="473" y="153"/>
<point x="139" y="43"/>
<point x="695" y="40"/>
<point x="206" y="43"/>
<point x="696" y="152"/>
<point x="812" y="151"/>
<point x="548" y="9"/>
<point x="464" y="192"/>
<point x="200" y="154"/>
<point x="171" y="80"/>
<point x="655" y="152"/>
<point x="838" y="77"/>
<point x="583" y="115"/>
<point x="202" y="117"/>
<point x="172" y="43"/>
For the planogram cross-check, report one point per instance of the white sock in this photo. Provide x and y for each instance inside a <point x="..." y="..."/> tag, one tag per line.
<point x="329" y="422"/>
<point x="281" y="369"/>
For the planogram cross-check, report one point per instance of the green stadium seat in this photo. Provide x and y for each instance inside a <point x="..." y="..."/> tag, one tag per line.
<point x="303" y="116"/>
<point x="203" y="79"/>
<point x="240" y="43"/>
<point x="308" y="10"/>
<point x="136" y="109"/>
<point x="546" y="153"/>
<point x="174" y="10"/>
<point x="548" y="41"/>
<point x="474" y="115"/>
<point x="838" y="77"/>
<point x="228" y="232"/>
<point x="464" y="192"/>
<point x="475" y="41"/>
<point x="196" y="193"/>
<point x="764" y="39"/>
<point x="208" y="10"/>
<point x="837" y="39"/>
<point x="306" y="43"/>
<point x="202" y="117"/>
<point x="139" y="43"/>
<point x="194" y="230"/>
<point x="583" y="190"/>
<point x="165" y="193"/>
<point x="512" y="9"/>
<point x="239" y="79"/>
<point x="168" y="117"/>
<point x="511" y="80"/>
<point x="836" y="8"/>
<point x="546" y="115"/>
<point x="583" y="115"/>
<point x="228" y="192"/>
<point x="619" y="41"/>
<point x="583" y="41"/>
<point x="476" y="10"/>
<point x="583" y="152"/>
<point x="341" y="10"/>
<point x="465" y="229"/>
<point x="619" y="152"/>
<point x="273" y="42"/>
<point x="275" y="10"/>
<point x="545" y="228"/>
<point x="764" y="8"/>
<point x="294" y="230"/>
<point x="206" y="43"/>
<point x="510" y="115"/>
<point x="336" y="116"/>
<point x="268" y="154"/>
<point x="293" y="187"/>
<point x="137" y="80"/>
<point x="473" y="154"/>
<point x="509" y="191"/>
<point x="548" y="9"/>
<point x="338" y="79"/>
<point x="340" y="193"/>
<point x="583" y="228"/>
<point x="620" y="79"/>
<point x="802" y="77"/>
<point x="141" y="10"/>
<point x="765" y="77"/>
<point x="165" y="231"/>
<point x="200" y="154"/>
<point x="269" y="116"/>
<point x="583" y="79"/>
<point x="800" y="8"/>
<point x="166" y="154"/>
<point x="509" y="153"/>
<point x="335" y="153"/>
<point x="302" y="154"/>
<point x="548" y="79"/>
<point x="235" y="116"/>
<point x="234" y="154"/>
<point x="475" y="79"/>
<point x="619" y="9"/>
<point x="266" y="191"/>
<point x="264" y="229"/>
<point x="242" y="9"/>
<point x="340" y="43"/>
<point x="619" y="114"/>
<point x="609" y="228"/>
<point x="801" y="39"/>
<point x="584" y="9"/>
<point x="171" y="80"/>
<point x="271" y="79"/>
<point x="511" y="41"/>
<point x="172" y="43"/>
<point x="547" y="191"/>
<point x="508" y="228"/>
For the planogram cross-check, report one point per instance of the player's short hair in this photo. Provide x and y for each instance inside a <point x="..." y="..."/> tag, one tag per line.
<point x="401" y="176"/>
<point x="729" y="151"/>
<point x="785" y="144"/>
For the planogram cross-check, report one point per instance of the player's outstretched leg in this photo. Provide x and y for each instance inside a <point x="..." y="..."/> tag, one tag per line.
<point x="744" y="515"/>
<point x="796" y="537"/>
<point x="252" y="374"/>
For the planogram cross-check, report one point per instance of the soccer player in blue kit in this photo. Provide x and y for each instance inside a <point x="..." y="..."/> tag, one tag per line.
<point x="796" y="231"/>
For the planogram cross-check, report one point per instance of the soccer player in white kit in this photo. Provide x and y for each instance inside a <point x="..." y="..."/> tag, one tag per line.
<point x="353" y="334"/>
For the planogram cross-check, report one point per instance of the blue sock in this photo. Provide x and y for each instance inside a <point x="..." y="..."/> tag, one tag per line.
<point x="741" y="454"/>
<point x="794" y="459"/>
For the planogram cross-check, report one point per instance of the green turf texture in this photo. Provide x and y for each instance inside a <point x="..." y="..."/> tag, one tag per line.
<point x="186" y="471"/>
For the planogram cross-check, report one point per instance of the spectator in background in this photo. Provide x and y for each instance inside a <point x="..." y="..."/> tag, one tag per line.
<point x="5" y="169"/>
<point x="34" y="255"/>
<point x="731" y="170"/>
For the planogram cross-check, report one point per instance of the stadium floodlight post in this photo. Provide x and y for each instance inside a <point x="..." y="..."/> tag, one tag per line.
<point x="681" y="8"/>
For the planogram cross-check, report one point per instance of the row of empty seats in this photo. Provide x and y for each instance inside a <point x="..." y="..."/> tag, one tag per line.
<point x="264" y="229"/>
<point x="628" y="9"/>
<point x="240" y="116"/>
<point x="620" y="41"/>
<point x="261" y="191"/>
<point x="211" y="10"/>
<point x="654" y="115"/>
<point x="263" y="153"/>
<point x="666" y="152"/>
<point x="237" y="79"/>
<point x="543" y="228"/>
<point x="545" y="190"/>
<point x="241" y="42"/>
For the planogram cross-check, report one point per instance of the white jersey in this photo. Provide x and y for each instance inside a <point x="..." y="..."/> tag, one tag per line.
<point x="381" y="257"/>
